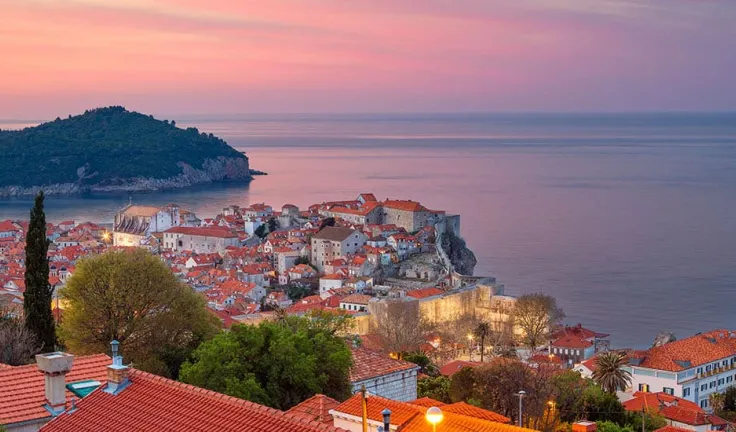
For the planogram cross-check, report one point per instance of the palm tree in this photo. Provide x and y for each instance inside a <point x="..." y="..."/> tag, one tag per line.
<point x="482" y="331"/>
<point x="609" y="373"/>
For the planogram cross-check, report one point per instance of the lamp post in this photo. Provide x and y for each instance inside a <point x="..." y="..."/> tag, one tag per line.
<point x="434" y="416"/>
<point x="521" y="395"/>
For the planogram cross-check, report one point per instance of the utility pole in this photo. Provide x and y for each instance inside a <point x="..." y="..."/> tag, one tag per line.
<point x="643" y="422"/>
<point x="521" y="395"/>
<point x="365" y="409"/>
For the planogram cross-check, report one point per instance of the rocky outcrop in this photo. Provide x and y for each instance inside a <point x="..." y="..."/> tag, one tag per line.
<point x="213" y="170"/>
<point x="462" y="259"/>
<point x="663" y="338"/>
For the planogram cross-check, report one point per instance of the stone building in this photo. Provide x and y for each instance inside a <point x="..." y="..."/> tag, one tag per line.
<point x="382" y="375"/>
<point x="134" y="223"/>
<point x="199" y="239"/>
<point x="334" y="242"/>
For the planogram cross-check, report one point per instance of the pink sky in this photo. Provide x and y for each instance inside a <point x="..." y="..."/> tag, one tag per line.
<point x="240" y="56"/>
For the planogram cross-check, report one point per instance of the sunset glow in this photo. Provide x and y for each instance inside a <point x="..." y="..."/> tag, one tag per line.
<point x="236" y="56"/>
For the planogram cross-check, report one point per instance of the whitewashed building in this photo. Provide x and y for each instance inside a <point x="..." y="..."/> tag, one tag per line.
<point x="134" y="223"/>
<point x="691" y="368"/>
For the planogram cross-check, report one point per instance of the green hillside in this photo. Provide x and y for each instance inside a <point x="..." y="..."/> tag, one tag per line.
<point x="110" y="144"/>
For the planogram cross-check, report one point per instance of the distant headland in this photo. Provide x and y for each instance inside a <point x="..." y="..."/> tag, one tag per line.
<point x="113" y="150"/>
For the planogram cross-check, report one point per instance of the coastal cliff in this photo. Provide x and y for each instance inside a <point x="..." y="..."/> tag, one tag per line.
<point x="463" y="259"/>
<point x="113" y="150"/>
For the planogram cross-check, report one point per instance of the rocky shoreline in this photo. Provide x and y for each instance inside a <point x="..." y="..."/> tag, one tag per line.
<point x="213" y="170"/>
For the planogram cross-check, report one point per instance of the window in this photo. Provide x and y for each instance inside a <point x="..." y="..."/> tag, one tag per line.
<point x="700" y="371"/>
<point x="704" y="387"/>
<point x="729" y="379"/>
<point x="686" y="392"/>
<point x="644" y="388"/>
<point x="707" y="368"/>
<point x="704" y="403"/>
<point x="669" y="391"/>
<point x="721" y="381"/>
<point x="712" y="384"/>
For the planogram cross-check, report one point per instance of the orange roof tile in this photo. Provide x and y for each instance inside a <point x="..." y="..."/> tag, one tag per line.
<point x="409" y="416"/>
<point x="454" y="366"/>
<point x="316" y="408"/>
<point x="427" y="402"/>
<point x="152" y="403"/>
<point x="452" y="422"/>
<point x="369" y="364"/>
<point x="475" y="412"/>
<point x="401" y="412"/>
<point x="691" y="352"/>
<point x="671" y="407"/>
<point x="670" y="428"/>
<point x="22" y="388"/>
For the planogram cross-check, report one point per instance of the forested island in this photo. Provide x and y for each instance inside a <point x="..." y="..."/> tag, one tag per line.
<point x="113" y="149"/>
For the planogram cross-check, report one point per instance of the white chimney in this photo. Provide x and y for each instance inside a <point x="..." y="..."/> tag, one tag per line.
<point x="55" y="366"/>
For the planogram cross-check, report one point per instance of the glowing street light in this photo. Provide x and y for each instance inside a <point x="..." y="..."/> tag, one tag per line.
<point x="434" y="416"/>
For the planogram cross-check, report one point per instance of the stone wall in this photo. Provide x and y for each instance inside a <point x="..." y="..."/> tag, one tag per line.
<point x="401" y="386"/>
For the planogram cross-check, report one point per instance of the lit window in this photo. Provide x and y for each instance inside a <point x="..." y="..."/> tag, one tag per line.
<point x="644" y="388"/>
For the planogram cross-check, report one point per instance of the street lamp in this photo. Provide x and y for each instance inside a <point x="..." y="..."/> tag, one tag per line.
<point x="434" y="416"/>
<point x="521" y="395"/>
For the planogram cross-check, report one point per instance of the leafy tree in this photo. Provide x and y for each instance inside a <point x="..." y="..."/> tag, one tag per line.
<point x="651" y="421"/>
<point x="302" y="260"/>
<point x="729" y="401"/>
<point x="420" y="359"/>
<point x="437" y="388"/>
<point x="297" y="291"/>
<point x="278" y="364"/>
<point x="462" y="385"/>
<point x="272" y="225"/>
<point x="38" y="294"/>
<point x="330" y="221"/>
<point x="536" y="315"/>
<point x="132" y="296"/>
<point x="261" y="231"/>
<point x="609" y="372"/>
<point x="482" y="331"/>
<point x="17" y="343"/>
<point x="609" y="426"/>
<point x="110" y="144"/>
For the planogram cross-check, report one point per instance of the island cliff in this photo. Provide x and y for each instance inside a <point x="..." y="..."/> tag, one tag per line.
<point x="112" y="149"/>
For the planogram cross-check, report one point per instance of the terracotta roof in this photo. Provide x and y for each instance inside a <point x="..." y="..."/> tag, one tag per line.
<point x="579" y="331"/>
<point x="369" y="364"/>
<point x="152" y="403"/>
<point x="454" y="366"/>
<point x="691" y="352"/>
<point x="452" y="422"/>
<point x="316" y="408"/>
<point x="409" y="416"/>
<point x="334" y="233"/>
<point x="401" y="412"/>
<point x="405" y="205"/>
<point x="142" y="211"/>
<point x="367" y="197"/>
<point x="356" y="299"/>
<point x="671" y="407"/>
<point x="7" y="225"/>
<point x="427" y="402"/>
<point x="571" y="341"/>
<point x="22" y="388"/>
<point x="202" y="231"/>
<point x="475" y="412"/>
<point x="670" y="428"/>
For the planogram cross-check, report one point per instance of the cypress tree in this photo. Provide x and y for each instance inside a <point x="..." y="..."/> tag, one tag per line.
<point x="38" y="295"/>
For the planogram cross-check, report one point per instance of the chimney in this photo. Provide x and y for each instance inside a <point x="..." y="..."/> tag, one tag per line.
<point x="55" y="366"/>
<point x="117" y="373"/>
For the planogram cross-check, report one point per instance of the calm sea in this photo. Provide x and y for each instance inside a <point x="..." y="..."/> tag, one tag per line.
<point x="629" y="220"/>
